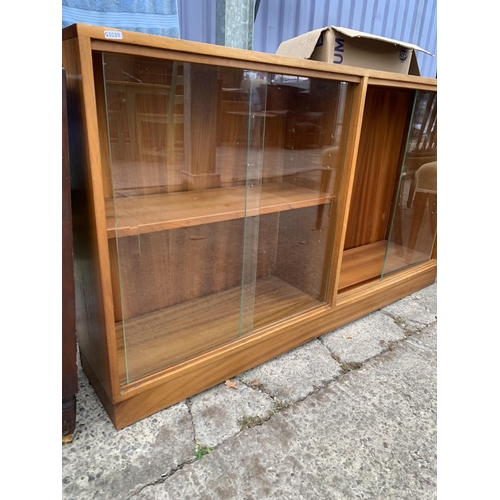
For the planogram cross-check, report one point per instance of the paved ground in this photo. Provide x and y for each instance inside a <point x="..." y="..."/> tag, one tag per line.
<point x="349" y="415"/>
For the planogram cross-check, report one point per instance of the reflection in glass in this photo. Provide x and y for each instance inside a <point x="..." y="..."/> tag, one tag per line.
<point x="414" y="226"/>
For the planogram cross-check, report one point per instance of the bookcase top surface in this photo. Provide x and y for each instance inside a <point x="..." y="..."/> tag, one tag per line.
<point x="126" y="39"/>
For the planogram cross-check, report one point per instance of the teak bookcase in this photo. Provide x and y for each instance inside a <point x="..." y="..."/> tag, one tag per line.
<point x="230" y="205"/>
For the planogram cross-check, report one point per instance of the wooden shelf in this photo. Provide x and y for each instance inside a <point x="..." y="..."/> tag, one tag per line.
<point x="365" y="262"/>
<point x="138" y="86"/>
<point x="159" y="212"/>
<point x="166" y="337"/>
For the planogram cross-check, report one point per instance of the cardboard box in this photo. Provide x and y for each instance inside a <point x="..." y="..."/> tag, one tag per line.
<point x="348" y="47"/>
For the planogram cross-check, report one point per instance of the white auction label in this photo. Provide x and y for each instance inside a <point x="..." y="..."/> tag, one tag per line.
<point x="115" y="35"/>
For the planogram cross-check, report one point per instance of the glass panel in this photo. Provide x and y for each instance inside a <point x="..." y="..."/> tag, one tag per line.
<point x="414" y="219"/>
<point x="255" y="118"/>
<point x="221" y="188"/>
<point x="303" y="159"/>
<point x="183" y="194"/>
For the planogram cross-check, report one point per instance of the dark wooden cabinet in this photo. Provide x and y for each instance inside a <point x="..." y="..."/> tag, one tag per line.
<point x="69" y="349"/>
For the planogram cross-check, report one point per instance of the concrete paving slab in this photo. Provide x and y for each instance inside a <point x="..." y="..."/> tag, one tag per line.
<point x="370" y="434"/>
<point x="217" y="411"/>
<point x="415" y="311"/>
<point x="296" y="374"/>
<point x="362" y="339"/>
<point x="102" y="463"/>
<point x="426" y="341"/>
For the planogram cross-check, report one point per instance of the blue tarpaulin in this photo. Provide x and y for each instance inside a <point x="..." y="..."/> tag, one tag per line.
<point x="156" y="17"/>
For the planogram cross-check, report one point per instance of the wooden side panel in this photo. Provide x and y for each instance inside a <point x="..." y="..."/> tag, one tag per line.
<point x="92" y="287"/>
<point x="384" y="120"/>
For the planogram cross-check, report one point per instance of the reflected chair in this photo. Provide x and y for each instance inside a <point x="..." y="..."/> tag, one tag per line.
<point x="425" y="198"/>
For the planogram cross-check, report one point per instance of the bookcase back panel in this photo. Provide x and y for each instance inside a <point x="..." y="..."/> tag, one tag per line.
<point x="382" y="136"/>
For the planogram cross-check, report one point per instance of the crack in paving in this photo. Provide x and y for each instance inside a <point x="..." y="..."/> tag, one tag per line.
<point x="402" y="323"/>
<point x="163" y="477"/>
